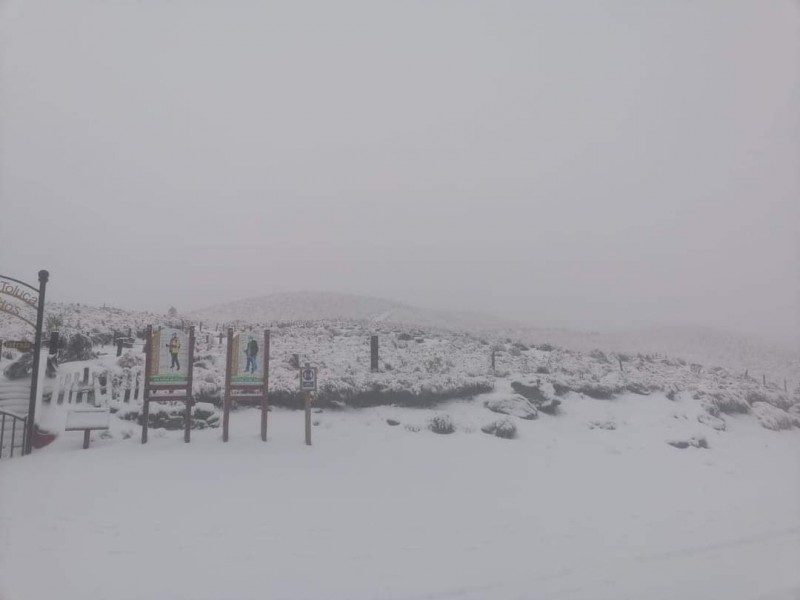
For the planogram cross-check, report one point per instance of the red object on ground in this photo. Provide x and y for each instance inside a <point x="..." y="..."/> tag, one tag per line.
<point x="42" y="438"/>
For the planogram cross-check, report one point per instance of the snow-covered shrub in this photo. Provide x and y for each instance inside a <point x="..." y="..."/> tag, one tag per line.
<point x="599" y="356"/>
<point x="531" y="392"/>
<point x="129" y="360"/>
<point x="774" y="397"/>
<point x="441" y="423"/>
<point x="79" y="347"/>
<point x="729" y="402"/>
<point x="772" y="417"/>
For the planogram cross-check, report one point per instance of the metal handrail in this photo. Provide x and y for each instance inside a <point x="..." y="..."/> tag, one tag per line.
<point x="4" y="414"/>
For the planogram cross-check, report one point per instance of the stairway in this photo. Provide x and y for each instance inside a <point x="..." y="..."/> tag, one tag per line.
<point x="14" y="399"/>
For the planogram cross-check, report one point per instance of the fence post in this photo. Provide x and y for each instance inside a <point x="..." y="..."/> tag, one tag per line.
<point x="373" y="363"/>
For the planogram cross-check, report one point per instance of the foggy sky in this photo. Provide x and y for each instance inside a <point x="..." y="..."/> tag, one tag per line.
<point x="597" y="165"/>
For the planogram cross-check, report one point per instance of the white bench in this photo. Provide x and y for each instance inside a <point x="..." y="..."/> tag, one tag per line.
<point x="87" y="420"/>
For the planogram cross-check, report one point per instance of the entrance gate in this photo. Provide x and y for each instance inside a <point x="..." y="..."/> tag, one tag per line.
<point x="25" y="302"/>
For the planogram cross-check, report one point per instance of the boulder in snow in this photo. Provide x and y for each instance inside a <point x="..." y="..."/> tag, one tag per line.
<point x="608" y="425"/>
<point x="694" y="442"/>
<point x="516" y="406"/>
<point x="711" y="421"/>
<point x="22" y="368"/>
<point x="502" y="428"/>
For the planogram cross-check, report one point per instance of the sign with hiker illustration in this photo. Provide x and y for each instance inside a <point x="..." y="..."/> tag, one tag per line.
<point x="169" y="357"/>
<point x="247" y="362"/>
<point x="246" y="375"/>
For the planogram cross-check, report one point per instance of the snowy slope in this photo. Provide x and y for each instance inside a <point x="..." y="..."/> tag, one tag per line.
<point x="373" y="511"/>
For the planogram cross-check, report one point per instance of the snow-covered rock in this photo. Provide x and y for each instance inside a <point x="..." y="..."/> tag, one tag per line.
<point x="502" y="428"/>
<point x="515" y="405"/>
<point x="712" y="421"/>
<point x="698" y="441"/>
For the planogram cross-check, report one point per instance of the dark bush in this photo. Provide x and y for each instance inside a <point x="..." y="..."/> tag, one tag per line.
<point x="441" y="424"/>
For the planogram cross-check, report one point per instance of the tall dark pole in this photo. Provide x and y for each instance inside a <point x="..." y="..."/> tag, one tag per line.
<point x="37" y="347"/>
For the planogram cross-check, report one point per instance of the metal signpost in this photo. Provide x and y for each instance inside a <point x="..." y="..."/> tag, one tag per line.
<point x="308" y="385"/>
<point x="23" y="302"/>
<point x="246" y="376"/>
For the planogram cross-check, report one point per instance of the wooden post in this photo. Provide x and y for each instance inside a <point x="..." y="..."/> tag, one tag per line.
<point x="220" y="338"/>
<point x="493" y="359"/>
<point x="86" y="434"/>
<point x="187" y="433"/>
<point x="52" y="354"/>
<point x="264" y="399"/>
<point x="148" y="348"/>
<point x="226" y="402"/>
<point x="119" y="346"/>
<point x="373" y="363"/>
<point x="308" y="418"/>
<point x="765" y="379"/>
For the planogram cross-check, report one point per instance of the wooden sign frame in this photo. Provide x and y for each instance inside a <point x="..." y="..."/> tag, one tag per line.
<point x="235" y="392"/>
<point x="151" y="390"/>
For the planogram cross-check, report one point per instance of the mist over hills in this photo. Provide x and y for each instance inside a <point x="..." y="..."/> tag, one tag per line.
<point x="314" y="306"/>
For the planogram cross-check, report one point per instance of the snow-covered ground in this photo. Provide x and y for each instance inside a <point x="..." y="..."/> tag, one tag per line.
<point x="566" y="510"/>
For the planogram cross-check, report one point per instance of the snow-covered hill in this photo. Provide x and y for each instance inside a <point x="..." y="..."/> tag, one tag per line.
<point x="735" y="352"/>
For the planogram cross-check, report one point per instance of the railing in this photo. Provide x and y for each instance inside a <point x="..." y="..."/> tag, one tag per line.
<point x="11" y="417"/>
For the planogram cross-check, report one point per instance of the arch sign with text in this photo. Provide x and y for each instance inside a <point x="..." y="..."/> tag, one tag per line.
<point x="25" y="302"/>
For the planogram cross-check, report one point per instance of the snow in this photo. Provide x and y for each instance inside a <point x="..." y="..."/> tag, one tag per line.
<point x="372" y="511"/>
<point x="87" y="419"/>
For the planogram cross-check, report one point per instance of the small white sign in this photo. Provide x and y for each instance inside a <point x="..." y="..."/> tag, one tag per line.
<point x="308" y="379"/>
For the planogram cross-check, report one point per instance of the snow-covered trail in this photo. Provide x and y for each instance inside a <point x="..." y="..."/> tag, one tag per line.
<point x="372" y="511"/>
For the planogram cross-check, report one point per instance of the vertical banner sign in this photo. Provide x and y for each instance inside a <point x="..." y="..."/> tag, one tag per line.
<point x="25" y="302"/>
<point x="169" y="358"/>
<point x="246" y="375"/>
<point x="169" y="367"/>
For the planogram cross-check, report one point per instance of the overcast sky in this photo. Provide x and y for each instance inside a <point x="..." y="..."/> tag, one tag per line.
<point x="592" y="164"/>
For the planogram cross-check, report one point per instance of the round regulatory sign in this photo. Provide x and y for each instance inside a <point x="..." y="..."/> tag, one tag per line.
<point x="308" y="374"/>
